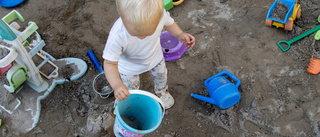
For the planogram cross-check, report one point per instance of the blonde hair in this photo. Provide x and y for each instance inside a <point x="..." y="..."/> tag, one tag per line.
<point x="142" y="14"/>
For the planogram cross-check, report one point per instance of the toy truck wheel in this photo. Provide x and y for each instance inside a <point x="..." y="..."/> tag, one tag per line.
<point x="298" y="13"/>
<point x="269" y="22"/>
<point x="288" y="25"/>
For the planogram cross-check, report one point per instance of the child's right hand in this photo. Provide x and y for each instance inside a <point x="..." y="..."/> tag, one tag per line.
<point x="121" y="92"/>
<point x="187" y="39"/>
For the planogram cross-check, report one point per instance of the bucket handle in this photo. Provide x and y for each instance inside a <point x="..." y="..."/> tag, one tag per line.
<point x="225" y="73"/>
<point x="141" y="92"/>
<point x="95" y="90"/>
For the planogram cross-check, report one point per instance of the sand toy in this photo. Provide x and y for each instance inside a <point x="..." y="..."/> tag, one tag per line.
<point x="317" y="36"/>
<point x="100" y="83"/>
<point x="282" y="13"/>
<point x="177" y="2"/>
<point x="10" y="3"/>
<point x="95" y="61"/>
<point x="141" y="113"/>
<point x="101" y="86"/>
<point x="314" y="66"/>
<point x="23" y="53"/>
<point x="288" y="43"/>
<point x="222" y="92"/>
<point x="172" y="48"/>
<point x="31" y="73"/>
<point x="3" y="70"/>
<point x="168" y="4"/>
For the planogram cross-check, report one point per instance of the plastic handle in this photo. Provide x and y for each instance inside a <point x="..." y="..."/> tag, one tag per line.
<point x="228" y="74"/>
<point x="44" y="62"/>
<point x="32" y="27"/>
<point x="95" y="61"/>
<point x="288" y="43"/>
<point x="141" y="92"/>
<point x="12" y="16"/>
<point x="296" y="38"/>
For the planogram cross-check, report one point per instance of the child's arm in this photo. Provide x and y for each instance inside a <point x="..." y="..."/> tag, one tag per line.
<point x="185" y="38"/>
<point x="111" y="70"/>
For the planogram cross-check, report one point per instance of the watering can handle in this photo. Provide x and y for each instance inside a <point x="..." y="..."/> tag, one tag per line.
<point x="141" y="92"/>
<point x="228" y="74"/>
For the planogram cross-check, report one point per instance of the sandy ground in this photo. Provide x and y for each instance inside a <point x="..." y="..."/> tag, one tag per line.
<point x="278" y="96"/>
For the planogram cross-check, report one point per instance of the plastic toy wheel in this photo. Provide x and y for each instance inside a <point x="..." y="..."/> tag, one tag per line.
<point x="298" y="13"/>
<point x="288" y="25"/>
<point x="269" y="22"/>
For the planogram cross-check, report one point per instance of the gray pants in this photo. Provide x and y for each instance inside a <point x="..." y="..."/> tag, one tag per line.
<point x="159" y="74"/>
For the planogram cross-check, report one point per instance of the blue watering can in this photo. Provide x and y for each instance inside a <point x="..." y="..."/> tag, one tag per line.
<point x="223" y="93"/>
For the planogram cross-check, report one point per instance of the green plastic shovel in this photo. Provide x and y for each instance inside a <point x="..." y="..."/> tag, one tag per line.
<point x="296" y="39"/>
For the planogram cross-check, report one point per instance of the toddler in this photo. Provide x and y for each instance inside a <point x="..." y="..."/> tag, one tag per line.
<point x="133" y="47"/>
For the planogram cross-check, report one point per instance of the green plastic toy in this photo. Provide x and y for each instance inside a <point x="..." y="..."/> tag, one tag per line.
<point x="288" y="43"/>
<point x="317" y="36"/>
<point x="168" y="4"/>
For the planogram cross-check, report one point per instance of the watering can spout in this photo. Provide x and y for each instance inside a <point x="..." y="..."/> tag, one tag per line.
<point x="203" y="98"/>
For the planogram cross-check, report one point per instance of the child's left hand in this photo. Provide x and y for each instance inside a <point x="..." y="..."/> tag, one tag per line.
<point x="187" y="39"/>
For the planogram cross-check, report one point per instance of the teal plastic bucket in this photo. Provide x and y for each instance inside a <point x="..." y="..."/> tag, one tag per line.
<point x="141" y="113"/>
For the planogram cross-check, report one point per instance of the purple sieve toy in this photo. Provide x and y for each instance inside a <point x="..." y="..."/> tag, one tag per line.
<point x="172" y="48"/>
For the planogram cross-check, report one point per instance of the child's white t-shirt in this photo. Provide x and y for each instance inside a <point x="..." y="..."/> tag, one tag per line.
<point x="134" y="55"/>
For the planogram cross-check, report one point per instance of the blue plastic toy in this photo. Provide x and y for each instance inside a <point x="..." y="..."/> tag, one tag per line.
<point x="223" y="93"/>
<point x="294" y="12"/>
<point x="95" y="61"/>
<point x="143" y="106"/>
<point x="10" y="3"/>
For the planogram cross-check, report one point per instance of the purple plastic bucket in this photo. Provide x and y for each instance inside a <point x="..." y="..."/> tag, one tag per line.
<point x="172" y="48"/>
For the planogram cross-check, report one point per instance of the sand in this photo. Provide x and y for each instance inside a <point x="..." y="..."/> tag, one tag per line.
<point x="280" y="11"/>
<point x="3" y="52"/>
<point x="278" y="96"/>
